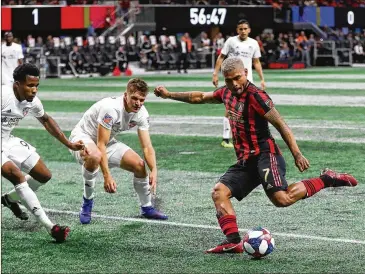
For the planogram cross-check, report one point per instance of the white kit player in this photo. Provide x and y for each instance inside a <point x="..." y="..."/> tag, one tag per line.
<point x="11" y="57"/>
<point x="18" y="155"/>
<point x="249" y="51"/>
<point x="97" y="129"/>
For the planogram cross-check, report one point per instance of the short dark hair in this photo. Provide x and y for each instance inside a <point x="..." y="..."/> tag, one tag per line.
<point x="243" y="21"/>
<point x="137" y="84"/>
<point x="21" y="72"/>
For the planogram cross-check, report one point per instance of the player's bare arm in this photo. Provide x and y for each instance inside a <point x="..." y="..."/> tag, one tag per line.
<point x="150" y="157"/>
<point x="52" y="127"/>
<point x="217" y="67"/>
<point x="257" y="64"/>
<point x="102" y="140"/>
<point x="191" y="97"/>
<point x="274" y="117"/>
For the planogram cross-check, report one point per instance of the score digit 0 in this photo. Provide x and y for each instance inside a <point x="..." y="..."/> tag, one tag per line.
<point x="350" y="18"/>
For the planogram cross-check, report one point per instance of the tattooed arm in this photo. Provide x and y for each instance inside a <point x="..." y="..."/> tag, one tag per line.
<point x="192" y="97"/>
<point x="274" y="117"/>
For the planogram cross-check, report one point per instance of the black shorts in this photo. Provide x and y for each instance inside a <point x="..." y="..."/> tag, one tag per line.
<point x="267" y="169"/>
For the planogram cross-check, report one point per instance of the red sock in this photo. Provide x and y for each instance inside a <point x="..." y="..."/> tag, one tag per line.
<point x="313" y="186"/>
<point x="228" y="224"/>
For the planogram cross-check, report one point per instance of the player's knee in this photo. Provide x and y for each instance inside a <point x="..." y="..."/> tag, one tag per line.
<point x="219" y="193"/>
<point x="281" y="201"/>
<point x="44" y="178"/>
<point x="93" y="159"/>
<point x="139" y="168"/>
<point x="12" y="173"/>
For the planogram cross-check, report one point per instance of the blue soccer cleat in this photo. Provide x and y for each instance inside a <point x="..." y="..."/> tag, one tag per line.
<point x="85" y="212"/>
<point x="150" y="212"/>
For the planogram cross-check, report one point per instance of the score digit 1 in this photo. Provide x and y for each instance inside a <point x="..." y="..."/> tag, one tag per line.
<point x="35" y="16"/>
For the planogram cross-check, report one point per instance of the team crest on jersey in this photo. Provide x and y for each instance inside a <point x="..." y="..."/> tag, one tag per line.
<point x="25" y="111"/>
<point x="108" y="120"/>
<point x="241" y="105"/>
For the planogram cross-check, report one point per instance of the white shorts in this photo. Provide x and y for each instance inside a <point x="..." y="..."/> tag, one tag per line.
<point x="21" y="153"/>
<point x="115" y="150"/>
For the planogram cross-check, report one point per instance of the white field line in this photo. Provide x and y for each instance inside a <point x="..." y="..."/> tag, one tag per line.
<point x="189" y="84"/>
<point x="219" y="135"/>
<point x="279" y="99"/>
<point x="281" y="234"/>
<point x="328" y="76"/>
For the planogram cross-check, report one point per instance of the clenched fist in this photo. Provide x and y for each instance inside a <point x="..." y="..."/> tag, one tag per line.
<point x="161" y="91"/>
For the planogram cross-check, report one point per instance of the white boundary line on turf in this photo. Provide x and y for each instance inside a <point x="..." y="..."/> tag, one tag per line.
<point x="117" y="218"/>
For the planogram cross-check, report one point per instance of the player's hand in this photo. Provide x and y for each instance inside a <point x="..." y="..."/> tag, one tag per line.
<point x="161" y="91"/>
<point x="215" y="80"/>
<point x="79" y="145"/>
<point x="263" y="84"/>
<point x="153" y="181"/>
<point x="109" y="185"/>
<point x="301" y="162"/>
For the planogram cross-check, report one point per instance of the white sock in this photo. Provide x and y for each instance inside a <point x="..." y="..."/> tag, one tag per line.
<point x="33" y="184"/>
<point x="31" y="202"/>
<point x="89" y="182"/>
<point x="226" y="128"/>
<point x="142" y="187"/>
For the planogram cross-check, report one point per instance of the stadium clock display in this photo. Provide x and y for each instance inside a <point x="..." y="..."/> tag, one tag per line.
<point x="173" y="17"/>
<point x="203" y="16"/>
<point x="36" y="18"/>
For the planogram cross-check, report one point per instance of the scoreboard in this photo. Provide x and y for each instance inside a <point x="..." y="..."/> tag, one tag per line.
<point x="53" y="18"/>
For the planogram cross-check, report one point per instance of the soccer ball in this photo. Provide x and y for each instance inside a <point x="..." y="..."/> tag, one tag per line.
<point x="258" y="242"/>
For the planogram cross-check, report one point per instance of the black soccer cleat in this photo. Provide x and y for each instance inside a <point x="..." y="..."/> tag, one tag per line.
<point x="14" y="207"/>
<point x="60" y="233"/>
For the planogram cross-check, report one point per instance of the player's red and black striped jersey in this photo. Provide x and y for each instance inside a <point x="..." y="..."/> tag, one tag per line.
<point x="250" y="130"/>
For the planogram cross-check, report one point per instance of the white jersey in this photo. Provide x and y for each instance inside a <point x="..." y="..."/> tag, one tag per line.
<point x="111" y="114"/>
<point x="246" y="50"/>
<point x="12" y="111"/>
<point x="9" y="61"/>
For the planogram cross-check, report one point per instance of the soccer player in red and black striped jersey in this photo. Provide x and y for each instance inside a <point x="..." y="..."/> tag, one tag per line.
<point x="259" y="160"/>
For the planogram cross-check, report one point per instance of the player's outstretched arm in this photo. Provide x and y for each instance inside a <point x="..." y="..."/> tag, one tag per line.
<point x="191" y="97"/>
<point x="274" y="117"/>
<point x="52" y="127"/>
<point x="150" y="157"/>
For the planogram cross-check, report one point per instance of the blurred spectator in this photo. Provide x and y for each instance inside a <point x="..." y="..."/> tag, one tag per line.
<point x="39" y="42"/>
<point x="205" y="42"/>
<point x="303" y="47"/>
<point x="183" y="51"/>
<point x="122" y="9"/>
<point x="284" y="54"/>
<point x="358" y="56"/>
<point x="75" y="60"/>
<point x="90" y="30"/>
<point x="108" y="20"/>
<point x="218" y="43"/>
<point x="167" y="46"/>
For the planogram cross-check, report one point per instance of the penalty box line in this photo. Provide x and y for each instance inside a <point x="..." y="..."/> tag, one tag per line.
<point x="140" y="220"/>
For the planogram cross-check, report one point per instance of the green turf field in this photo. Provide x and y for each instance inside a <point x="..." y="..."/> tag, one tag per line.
<point x="323" y="234"/>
